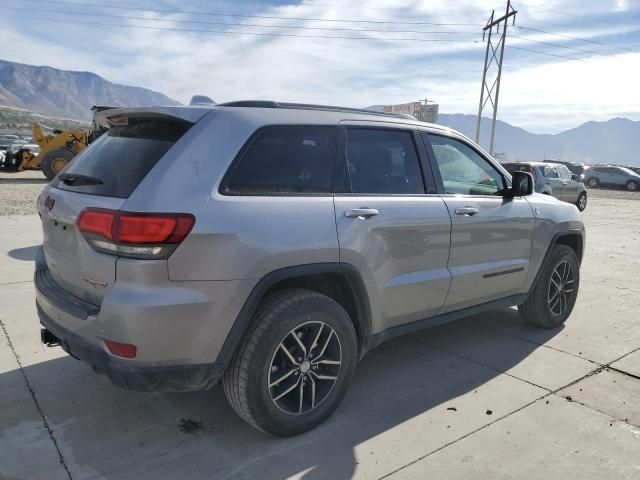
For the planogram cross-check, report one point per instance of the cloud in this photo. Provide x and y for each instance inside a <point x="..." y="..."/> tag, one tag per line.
<point x="538" y="92"/>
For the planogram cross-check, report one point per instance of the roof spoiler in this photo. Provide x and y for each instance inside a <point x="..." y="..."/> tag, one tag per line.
<point x="201" y="100"/>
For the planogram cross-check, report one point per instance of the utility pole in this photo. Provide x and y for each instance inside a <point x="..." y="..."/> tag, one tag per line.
<point x="493" y="92"/>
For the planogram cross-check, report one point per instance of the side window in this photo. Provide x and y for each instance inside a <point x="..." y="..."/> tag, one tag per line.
<point x="463" y="170"/>
<point x="550" y="172"/>
<point x="285" y="159"/>
<point x="381" y="162"/>
<point x="564" y="173"/>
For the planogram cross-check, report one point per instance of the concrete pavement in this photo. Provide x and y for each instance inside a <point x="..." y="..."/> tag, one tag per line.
<point x="488" y="396"/>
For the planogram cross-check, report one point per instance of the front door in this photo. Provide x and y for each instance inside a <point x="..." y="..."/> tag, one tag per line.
<point x="554" y="180"/>
<point x="569" y="186"/>
<point x="389" y="228"/>
<point x="491" y="235"/>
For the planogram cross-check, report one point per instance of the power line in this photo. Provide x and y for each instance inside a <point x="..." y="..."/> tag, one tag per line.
<point x="555" y="45"/>
<point x="231" y="32"/>
<point x="575" y="38"/>
<point x="546" y="53"/>
<point x="202" y="22"/>
<point x="271" y="17"/>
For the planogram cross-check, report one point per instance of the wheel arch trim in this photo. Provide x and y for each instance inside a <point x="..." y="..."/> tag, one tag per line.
<point x="244" y="320"/>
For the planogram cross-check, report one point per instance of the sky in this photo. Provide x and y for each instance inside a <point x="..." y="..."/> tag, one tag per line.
<point x="402" y="52"/>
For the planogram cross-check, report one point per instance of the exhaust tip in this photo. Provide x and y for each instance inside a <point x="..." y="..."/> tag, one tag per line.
<point x="48" y="338"/>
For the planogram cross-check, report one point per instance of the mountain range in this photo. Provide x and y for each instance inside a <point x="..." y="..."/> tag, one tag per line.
<point x="60" y="93"/>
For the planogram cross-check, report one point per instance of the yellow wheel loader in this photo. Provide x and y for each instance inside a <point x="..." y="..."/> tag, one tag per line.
<point x="56" y="150"/>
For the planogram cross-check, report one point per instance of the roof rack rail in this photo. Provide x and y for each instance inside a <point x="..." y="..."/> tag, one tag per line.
<point x="308" y="106"/>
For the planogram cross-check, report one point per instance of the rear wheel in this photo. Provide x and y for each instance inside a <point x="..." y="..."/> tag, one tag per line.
<point x="632" y="186"/>
<point x="582" y="201"/>
<point x="295" y="364"/>
<point x="554" y="294"/>
<point x="54" y="161"/>
<point x="593" y="182"/>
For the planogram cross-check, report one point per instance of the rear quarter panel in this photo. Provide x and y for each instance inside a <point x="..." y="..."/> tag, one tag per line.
<point x="234" y="237"/>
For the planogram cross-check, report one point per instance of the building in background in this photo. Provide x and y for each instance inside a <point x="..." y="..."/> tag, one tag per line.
<point x="423" y="110"/>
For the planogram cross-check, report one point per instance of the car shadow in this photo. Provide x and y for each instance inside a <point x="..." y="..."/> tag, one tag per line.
<point x="27" y="254"/>
<point x="112" y="433"/>
<point x="23" y="181"/>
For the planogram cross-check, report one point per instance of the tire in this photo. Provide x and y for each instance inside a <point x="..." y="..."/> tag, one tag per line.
<point x="593" y="182"/>
<point x="582" y="201"/>
<point x="540" y="308"/>
<point x="247" y="382"/>
<point x="54" y="161"/>
<point x="632" y="186"/>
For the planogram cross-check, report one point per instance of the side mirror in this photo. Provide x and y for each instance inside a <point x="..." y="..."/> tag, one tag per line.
<point x="574" y="177"/>
<point x="521" y="184"/>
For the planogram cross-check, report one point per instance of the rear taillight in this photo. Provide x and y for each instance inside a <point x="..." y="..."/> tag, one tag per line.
<point x="532" y="171"/>
<point x="131" y="234"/>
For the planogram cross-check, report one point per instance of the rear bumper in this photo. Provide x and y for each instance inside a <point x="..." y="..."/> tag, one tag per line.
<point x="178" y="329"/>
<point x="178" y="378"/>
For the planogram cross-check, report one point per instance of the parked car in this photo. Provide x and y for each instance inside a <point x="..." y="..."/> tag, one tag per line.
<point x="6" y="140"/>
<point x="577" y="168"/>
<point x="270" y="246"/>
<point x="613" y="176"/>
<point x="635" y="169"/>
<point x="554" y="179"/>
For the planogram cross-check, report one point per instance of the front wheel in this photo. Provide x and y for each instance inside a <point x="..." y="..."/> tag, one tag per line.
<point x="295" y="364"/>
<point x="632" y="186"/>
<point x="54" y="161"/>
<point x="582" y="201"/>
<point x="554" y="294"/>
<point x="593" y="182"/>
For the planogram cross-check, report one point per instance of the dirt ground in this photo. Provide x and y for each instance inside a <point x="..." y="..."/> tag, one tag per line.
<point x="485" y="397"/>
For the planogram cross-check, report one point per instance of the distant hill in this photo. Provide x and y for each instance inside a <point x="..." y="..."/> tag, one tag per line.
<point x="18" y="120"/>
<point x="61" y="93"/>
<point x="614" y="141"/>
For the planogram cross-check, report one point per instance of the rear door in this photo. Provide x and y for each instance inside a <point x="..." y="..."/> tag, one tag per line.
<point x="103" y="176"/>
<point x="491" y="235"/>
<point x="392" y="226"/>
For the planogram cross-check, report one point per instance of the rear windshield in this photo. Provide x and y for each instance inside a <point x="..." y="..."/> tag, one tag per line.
<point x="123" y="156"/>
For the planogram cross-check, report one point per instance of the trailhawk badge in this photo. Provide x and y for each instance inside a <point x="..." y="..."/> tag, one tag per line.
<point x="94" y="283"/>
<point x="49" y="202"/>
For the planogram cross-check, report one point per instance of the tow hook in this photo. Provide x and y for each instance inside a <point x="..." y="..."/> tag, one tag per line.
<point x="48" y="338"/>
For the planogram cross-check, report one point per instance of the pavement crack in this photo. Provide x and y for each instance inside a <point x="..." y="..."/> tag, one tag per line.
<point x="35" y="400"/>
<point x="463" y="437"/>
<point x="17" y="283"/>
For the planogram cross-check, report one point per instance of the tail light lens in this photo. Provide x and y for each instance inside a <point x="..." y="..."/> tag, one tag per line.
<point x="532" y="171"/>
<point x="131" y="234"/>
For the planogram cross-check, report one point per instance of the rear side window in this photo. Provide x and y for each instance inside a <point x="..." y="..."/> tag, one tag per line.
<point x="550" y="172"/>
<point x="284" y="159"/>
<point x="382" y="161"/>
<point x="123" y="156"/>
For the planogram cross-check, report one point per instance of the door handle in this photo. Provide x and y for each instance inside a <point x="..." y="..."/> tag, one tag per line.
<point x="467" y="211"/>
<point x="362" y="213"/>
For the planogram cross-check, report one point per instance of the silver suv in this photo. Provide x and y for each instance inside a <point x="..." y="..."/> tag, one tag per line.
<point x="271" y="245"/>
<point x="554" y="179"/>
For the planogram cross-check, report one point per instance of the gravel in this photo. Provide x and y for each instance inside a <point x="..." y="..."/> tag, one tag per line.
<point x="19" y="192"/>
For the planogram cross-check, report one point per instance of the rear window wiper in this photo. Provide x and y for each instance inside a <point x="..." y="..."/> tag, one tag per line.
<point x="78" y="179"/>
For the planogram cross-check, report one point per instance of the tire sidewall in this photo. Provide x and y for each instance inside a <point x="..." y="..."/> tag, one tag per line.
<point x="46" y="166"/>
<point x="632" y="186"/>
<point x="578" y="203"/>
<point x="593" y="182"/>
<point x="560" y="254"/>
<point x="269" y="416"/>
